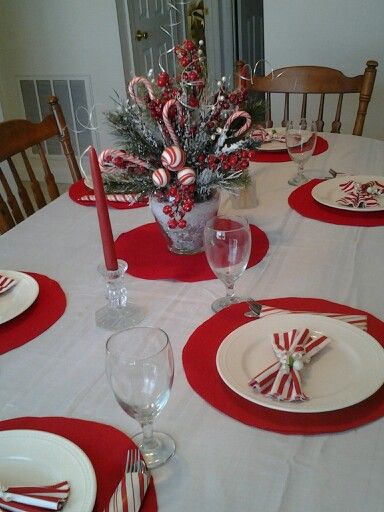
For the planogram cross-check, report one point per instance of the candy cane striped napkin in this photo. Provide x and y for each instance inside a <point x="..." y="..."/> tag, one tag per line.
<point x="264" y="135"/>
<point x="6" y="283"/>
<point x="361" y="195"/>
<point x="119" y="198"/>
<point x="130" y="492"/>
<point x="33" y="499"/>
<point x="281" y="380"/>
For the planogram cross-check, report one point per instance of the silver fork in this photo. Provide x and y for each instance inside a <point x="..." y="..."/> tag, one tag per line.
<point x="255" y="308"/>
<point x="132" y="464"/>
<point x="334" y="173"/>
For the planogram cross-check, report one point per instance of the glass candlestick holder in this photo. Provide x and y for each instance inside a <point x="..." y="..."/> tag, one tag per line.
<point x="118" y="313"/>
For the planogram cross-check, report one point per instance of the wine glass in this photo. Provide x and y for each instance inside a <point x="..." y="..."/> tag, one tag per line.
<point x="300" y="140"/>
<point x="227" y="244"/>
<point x="140" y="368"/>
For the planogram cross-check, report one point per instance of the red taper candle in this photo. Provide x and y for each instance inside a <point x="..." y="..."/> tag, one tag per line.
<point x="102" y="213"/>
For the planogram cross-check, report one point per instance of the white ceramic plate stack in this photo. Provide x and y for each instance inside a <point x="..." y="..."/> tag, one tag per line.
<point x="329" y="192"/>
<point x="347" y="371"/>
<point x="274" y="145"/>
<point x="17" y="299"/>
<point x="33" y="457"/>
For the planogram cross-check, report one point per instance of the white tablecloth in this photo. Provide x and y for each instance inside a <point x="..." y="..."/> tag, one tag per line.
<point x="220" y="464"/>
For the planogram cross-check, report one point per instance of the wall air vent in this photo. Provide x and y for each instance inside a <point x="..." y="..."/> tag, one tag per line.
<point x="72" y="94"/>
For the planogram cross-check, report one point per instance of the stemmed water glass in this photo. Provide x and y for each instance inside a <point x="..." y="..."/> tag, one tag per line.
<point x="140" y="368"/>
<point x="300" y="140"/>
<point x="227" y="244"/>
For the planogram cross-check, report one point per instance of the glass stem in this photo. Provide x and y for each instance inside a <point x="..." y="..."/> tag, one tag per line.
<point x="229" y="289"/>
<point x="300" y="168"/>
<point x="148" y="441"/>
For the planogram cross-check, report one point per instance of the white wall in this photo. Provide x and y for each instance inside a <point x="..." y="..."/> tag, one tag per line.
<point x="65" y="38"/>
<point x="343" y="34"/>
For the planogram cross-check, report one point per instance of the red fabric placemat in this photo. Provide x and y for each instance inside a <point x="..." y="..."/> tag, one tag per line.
<point x="146" y="252"/>
<point x="79" y="189"/>
<point x="302" y="201"/>
<point x="282" y="156"/>
<point x="105" y="446"/>
<point x="199" y="360"/>
<point x="44" y="312"/>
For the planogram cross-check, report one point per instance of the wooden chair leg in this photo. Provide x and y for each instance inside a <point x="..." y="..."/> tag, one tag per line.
<point x="36" y="189"/>
<point x="25" y="201"/>
<point x="11" y="199"/>
<point x="6" y="220"/>
<point x="53" y="191"/>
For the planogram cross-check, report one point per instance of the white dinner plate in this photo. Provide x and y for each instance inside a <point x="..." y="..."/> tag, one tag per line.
<point x="18" y="298"/>
<point x="33" y="457"/>
<point x="274" y="145"/>
<point x="328" y="192"/>
<point x="345" y="372"/>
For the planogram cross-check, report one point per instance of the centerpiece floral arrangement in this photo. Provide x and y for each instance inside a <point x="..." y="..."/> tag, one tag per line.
<point x="181" y="141"/>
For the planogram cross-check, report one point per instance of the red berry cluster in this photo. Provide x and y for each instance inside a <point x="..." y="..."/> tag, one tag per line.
<point x="235" y="161"/>
<point x="182" y="199"/>
<point x="224" y="101"/>
<point x="188" y="58"/>
<point x="169" y="91"/>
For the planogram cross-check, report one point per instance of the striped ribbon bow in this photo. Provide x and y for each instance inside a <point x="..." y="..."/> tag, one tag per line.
<point x="34" y="499"/>
<point x="360" y="195"/>
<point x="281" y="380"/>
<point x="6" y="283"/>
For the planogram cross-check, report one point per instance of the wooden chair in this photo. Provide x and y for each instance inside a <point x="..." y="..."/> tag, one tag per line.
<point x="16" y="136"/>
<point x="306" y="80"/>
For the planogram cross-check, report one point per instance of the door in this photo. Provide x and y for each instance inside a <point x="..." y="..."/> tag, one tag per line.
<point x="155" y="28"/>
<point x="250" y="33"/>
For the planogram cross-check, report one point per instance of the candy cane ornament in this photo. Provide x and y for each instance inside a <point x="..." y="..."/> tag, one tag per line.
<point x="236" y="115"/>
<point x="132" y="89"/>
<point x="167" y="121"/>
<point x="108" y="156"/>
<point x="107" y="159"/>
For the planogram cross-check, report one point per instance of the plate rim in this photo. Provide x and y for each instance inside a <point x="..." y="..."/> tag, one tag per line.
<point x="26" y="277"/>
<point x="62" y="441"/>
<point x="294" y="407"/>
<point x="338" y="180"/>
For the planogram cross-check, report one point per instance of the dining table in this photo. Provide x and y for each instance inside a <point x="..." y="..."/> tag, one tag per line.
<point x="222" y="461"/>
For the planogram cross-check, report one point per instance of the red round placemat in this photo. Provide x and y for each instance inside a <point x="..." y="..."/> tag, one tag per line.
<point x="146" y="252"/>
<point x="44" y="312"/>
<point x="105" y="446"/>
<point x="79" y="189"/>
<point x="282" y="156"/>
<point x="302" y="201"/>
<point x="199" y="361"/>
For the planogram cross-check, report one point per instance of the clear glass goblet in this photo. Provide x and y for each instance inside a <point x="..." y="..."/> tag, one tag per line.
<point x="227" y="244"/>
<point x="300" y="140"/>
<point x="140" y="368"/>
